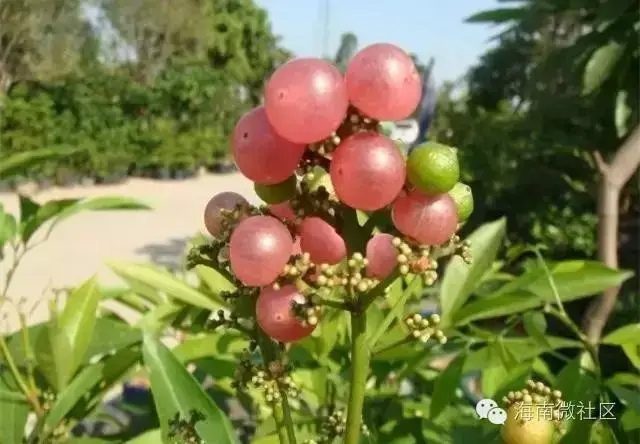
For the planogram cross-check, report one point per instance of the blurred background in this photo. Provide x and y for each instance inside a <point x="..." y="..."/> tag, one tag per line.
<point x="141" y="98"/>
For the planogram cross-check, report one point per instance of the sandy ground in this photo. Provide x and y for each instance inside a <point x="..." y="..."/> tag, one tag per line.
<point x="80" y="246"/>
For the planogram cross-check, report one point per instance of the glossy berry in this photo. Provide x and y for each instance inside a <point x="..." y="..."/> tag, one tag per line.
<point x="260" y="153"/>
<point x="321" y="241"/>
<point x="381" y="255"/>
<point x="383" y="82"/>
<point x="527" y="424"/>
<point x="277" y="193"/>
<point x="367" y="171"/>
<point x="306" y="100"/>
<point x="433" y="168"/>
<point x="222" y="201"/>
<point x="259" y="248"/>
<point x="283" y="211"/>
<point x="463" y="198"/>
<point x="429" y="219"/>
<point x="275" y="315"/>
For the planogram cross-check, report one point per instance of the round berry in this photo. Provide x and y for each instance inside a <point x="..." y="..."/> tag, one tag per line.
<point x="276" y="317"/>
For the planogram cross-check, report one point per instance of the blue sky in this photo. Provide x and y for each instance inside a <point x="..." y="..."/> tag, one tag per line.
<point x="425" y="27"/>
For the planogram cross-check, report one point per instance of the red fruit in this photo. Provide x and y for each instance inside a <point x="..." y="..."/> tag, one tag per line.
<point x="367" y="171"/>
<point x="430" y="220"/>
<point x="275" y="315"/>
<point x="283" y="211"/>
<point x="321" y="241"/>
<point x="383" y="82"/>
<point x="260" y="153"/>
<point x="259" y="248"/>
<point x="222" y="201"/>
<point x="381" y="255"/>
<point x="306" y="100"/>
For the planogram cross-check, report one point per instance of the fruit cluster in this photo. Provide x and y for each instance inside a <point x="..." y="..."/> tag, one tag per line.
<point x="334" y="426"/>
<point x="318" y="159"/>
<point x="534" y="414"/>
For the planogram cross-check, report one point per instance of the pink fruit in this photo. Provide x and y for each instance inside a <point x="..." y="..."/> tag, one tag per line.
<point x="381" y="255"/>
<point x="306" y="100"/>
<point x="259" y="248"/>
<point x="367" y="171"/>
<point x="260" y="153"/>
<point x="383" y="82"/>
<point x="430" y="220"/>
<point x="321" y="241"/>
<point x="221" y="201"/>
<point x="275" y="315"/>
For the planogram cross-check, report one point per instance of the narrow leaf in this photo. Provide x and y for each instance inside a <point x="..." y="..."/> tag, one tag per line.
<point x="600" y="66"/>
<point x="16" y="163"/>
<point x="163" y="281"/>
<point x="445" y="386"/>
<point x="14" y="412"/>
<point x="628" y="334"/>
<point x="77" y="322"/>
<point x="8" y="227"/>
<point x="535" y="325"/>
<point x="177" y="392"/>
<point x="93" y="380"/>
<point x="498" y="16"/>
<point x="460" y="279"/>
<point x="573" y="280"/>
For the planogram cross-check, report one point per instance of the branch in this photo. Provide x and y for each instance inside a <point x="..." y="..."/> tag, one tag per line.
<point x="613" y="178"/>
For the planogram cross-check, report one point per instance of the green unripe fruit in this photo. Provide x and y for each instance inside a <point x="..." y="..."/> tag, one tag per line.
<point x="433" y="168"/>
<point x="277" y="193"/>
<point x="463" y="198"/>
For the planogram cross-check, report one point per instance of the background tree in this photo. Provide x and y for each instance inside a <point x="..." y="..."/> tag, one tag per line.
<point x="39" y="39"/>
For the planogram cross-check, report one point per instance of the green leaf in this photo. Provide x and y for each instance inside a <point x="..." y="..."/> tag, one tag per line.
<point x="28" y="207"/>
<point x="16" y="163"/>
<point x="53" y="356"/>
<point x="176" y="391"/>
<point x="445" y="386"/>
<point x="150" y="437"/>
<point x="629" y="334"/>
<point x="8" y="228"/>
<point x="109" y="337"/>
<point x="522" y="349"/>
<point x="59" y="210"/>
<point x="573" y="279"/>
<point x="600" y="66"/>
<point x="94" y="378"/>
<point x="14" y="412"/>
<point x="535" y="325"/>
<point x="460" y="279"/>
<point x="395" y="312"/>
<point x="499" y="15"/>
<point x="633" y="353"/>
<point x="164" y="281"/>
<point x="77" y="323"/>
<point x="214" y="280"/>
<point x="622" y="113"/>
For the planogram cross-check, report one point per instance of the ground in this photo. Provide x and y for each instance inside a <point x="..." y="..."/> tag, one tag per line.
<point x="79" y="247"/>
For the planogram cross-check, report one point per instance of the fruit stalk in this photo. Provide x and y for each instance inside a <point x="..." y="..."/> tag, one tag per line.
<point x="281" y="411"/>
<point x="360" y="356"/>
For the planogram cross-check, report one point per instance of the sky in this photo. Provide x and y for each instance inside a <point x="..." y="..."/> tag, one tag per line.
<point x="424" y="27"/>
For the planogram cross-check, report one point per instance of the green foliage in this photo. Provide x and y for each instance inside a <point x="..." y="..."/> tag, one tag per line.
<point x="116" y="125"/>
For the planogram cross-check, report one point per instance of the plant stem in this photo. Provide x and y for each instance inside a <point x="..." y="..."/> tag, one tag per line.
<point x="281" y="411"/>
<point x="31" y="396"/>
<point x="360" y="356"/>
<point x="399" y="343"/>
<point x="278" y="415"/>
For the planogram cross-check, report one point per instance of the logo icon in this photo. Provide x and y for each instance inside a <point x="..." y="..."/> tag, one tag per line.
<point x="488" y="409"/>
